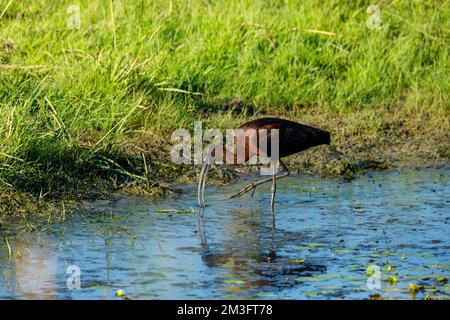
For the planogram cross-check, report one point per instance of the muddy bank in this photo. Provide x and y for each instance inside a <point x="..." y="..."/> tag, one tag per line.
<point x="365" y="140"/>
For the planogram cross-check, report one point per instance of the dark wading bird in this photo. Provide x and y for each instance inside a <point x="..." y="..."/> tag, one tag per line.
<point x="293" y="137"/>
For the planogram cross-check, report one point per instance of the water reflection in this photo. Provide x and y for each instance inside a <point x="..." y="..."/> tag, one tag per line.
<point x="33" y="271"/>
<point x="249" y="253"/>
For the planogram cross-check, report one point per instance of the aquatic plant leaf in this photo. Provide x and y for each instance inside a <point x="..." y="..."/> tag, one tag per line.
<point x="234" y="281"/>
<point x="120" y="293"/>
<point x="392" y="280"/>
<point x="298" y="261"/>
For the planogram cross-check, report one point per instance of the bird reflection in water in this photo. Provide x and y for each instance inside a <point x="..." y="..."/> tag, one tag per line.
<point x="249" y="257"/>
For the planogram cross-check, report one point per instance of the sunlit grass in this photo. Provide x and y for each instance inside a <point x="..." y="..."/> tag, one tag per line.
<point x="70" y="97"/>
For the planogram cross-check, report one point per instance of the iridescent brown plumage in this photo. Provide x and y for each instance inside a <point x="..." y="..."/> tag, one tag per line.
<point x="293" y="138"/>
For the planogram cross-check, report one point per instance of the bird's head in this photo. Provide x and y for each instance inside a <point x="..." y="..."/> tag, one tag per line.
<point x="323" y="137"/>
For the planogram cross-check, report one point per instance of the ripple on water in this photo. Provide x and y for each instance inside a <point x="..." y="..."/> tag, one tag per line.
<point x="326" y="234"/>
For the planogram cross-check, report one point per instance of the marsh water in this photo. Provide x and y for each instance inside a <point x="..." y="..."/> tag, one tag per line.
<point x="325" y="234"/>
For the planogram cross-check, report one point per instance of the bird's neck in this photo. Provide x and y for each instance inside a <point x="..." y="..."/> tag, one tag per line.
<point x="224" y="154"/>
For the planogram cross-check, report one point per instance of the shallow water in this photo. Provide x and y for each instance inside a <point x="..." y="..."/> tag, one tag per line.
<point x="326" y="234"/>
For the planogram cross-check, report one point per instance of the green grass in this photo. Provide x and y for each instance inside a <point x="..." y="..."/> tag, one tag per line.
<point x="74" y="102"/>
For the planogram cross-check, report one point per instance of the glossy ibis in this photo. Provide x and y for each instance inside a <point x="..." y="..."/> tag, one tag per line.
<point x="293" y="137"/>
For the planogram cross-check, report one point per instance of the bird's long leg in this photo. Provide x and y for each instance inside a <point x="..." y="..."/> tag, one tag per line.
<point x="274" y="188"/>
<point x="253" y="185"/>
<point x="272" y="250"/>
<point x="285" y="168"/>
<point x="250" y="187"/>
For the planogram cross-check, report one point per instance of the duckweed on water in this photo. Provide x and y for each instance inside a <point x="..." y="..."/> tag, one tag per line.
<point x="414" y="288"/>
<point x="234" y="281"/>
<point x="161" y="263"/>
<point x="392" y="280"/>
<point x="176" y="211"/>
<point x="442" y="280"/>
<point x="120" y="293"/>
<point x="298" y="261"/>
<point x="354" y="267"/>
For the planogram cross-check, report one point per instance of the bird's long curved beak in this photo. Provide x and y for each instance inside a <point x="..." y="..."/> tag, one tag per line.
<point x="201" y="184"/>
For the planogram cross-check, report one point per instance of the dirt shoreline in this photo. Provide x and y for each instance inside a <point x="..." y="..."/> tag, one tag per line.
<point x="17" y="207"/>
<point x="397" y="141"/>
